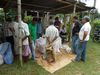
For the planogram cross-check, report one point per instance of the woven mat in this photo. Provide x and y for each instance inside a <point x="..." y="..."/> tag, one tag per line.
<point x="63" y="59"/>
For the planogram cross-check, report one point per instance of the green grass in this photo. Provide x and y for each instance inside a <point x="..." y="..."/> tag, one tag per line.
<point x="90" y="67"/>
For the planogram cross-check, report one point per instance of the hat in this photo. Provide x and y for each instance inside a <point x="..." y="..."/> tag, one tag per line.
<point x="87" y="18"/>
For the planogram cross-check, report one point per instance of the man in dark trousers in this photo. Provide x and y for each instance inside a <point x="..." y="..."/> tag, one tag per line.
<point x="84" y="35"/>
<point x="75" y="32"/>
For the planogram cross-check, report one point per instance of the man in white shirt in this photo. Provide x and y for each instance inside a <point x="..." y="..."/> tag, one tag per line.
<point x="25" y="41"/>
<point x="53" y="38"/>
<point x="84" y="35"/>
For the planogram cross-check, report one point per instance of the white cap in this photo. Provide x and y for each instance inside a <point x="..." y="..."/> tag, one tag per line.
<point x="86" y="18"/>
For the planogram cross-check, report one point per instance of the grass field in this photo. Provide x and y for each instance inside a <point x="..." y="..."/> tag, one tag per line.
<point x="90" y="67"/>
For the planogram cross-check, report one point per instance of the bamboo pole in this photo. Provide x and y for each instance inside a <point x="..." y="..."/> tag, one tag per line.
<point x="74" y="13"/>
<point x="25" y="13"/>
<point x="48" y="17"/>
<point x="60" y="8"/>
<point x="20" y="39"/>
<point x="95" y="2"/>
<point x="37" y="14"/>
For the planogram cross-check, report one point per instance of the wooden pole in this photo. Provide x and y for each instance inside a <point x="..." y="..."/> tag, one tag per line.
<point x="48" y="18"/>
<point x="74" y="13"/>
<point x="37" y="14"/>
<point x="74" y="10"/>
<point x="95" y="2"/>
<point x="20" y="38"/>
<point x="60" y="8"/>
<point x="25" y="13"/>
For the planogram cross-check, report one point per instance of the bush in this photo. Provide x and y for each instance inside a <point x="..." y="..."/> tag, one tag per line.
<point x="96" y="22"/>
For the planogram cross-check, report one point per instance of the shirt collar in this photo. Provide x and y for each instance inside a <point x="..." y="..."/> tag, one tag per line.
<point x="87" y="23"/>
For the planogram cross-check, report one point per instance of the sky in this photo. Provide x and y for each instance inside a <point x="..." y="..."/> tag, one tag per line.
<point x="91" y="3"/>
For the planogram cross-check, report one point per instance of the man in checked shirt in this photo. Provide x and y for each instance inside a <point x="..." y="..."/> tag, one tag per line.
<point x="8" y="32"/>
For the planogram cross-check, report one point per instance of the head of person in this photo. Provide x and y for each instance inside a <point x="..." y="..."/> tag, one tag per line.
<point x="39" y="20"/>
<point x="34" y="20"/>
<point x="57" y="18"/>
<point x="51" y="22"/>
<point x="50" y="18"/>
<point x="16" y="18"/>
<point x="85" y="19"/>
<point x="75" y="18"/>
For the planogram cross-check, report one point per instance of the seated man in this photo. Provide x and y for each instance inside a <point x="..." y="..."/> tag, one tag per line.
<point x="53" y="38"/>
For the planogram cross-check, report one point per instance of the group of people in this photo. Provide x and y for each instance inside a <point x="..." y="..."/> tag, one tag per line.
<point x="31" y="32"/>
<point x="34" y="30"/>
<point x="80" y="36"/>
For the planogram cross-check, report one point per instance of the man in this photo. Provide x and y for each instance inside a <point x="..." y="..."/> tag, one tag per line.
<point x="63" y="33"/>
<point x="52" y="35"/>
<point x="33" y="36"/>
<point x="25" y="41"/>
<point x="39" y="28"/>
<point x="8" y="32"/>
<point x="84" y="35"/>
<point x="75" y="32"/>
<point x="57" y="23"/>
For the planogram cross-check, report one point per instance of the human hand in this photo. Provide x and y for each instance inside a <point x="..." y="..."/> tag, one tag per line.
<point x="81" y="41"/>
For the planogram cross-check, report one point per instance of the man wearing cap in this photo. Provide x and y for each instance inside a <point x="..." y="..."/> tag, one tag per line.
<point x="84" y="35"/>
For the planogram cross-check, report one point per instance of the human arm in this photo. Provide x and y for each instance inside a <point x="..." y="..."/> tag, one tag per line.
<point x="26" y="32"/>
<point x="84" y="36"/>
<point x="85" y="33"/>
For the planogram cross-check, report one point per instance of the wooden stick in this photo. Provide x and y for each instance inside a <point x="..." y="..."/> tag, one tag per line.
<point x="60" y="8"/>
<point x="35" y="5"/>
<point x="65" y="2"/>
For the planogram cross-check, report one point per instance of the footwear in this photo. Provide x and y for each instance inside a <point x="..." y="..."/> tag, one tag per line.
<point x="83" y="60"/>
<point x="75" y="60"/>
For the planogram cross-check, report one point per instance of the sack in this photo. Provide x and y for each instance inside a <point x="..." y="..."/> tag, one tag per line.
<point x="8" y="55"/>
<point x="1" y="59"/>
<point x="66" y="48"/>
<point x="41" y="43"/>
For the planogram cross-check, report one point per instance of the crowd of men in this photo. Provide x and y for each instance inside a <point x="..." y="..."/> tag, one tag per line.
<point x="31" y="31"/>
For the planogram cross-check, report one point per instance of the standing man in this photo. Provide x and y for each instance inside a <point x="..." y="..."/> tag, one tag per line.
<point x="25" y="41"/>
<point x="75" y="32"/>
<point x="84" y="35"/>
<point x="33" y="36"/>
<point x="39" y="28"/>
<point x="8" y="32"/>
